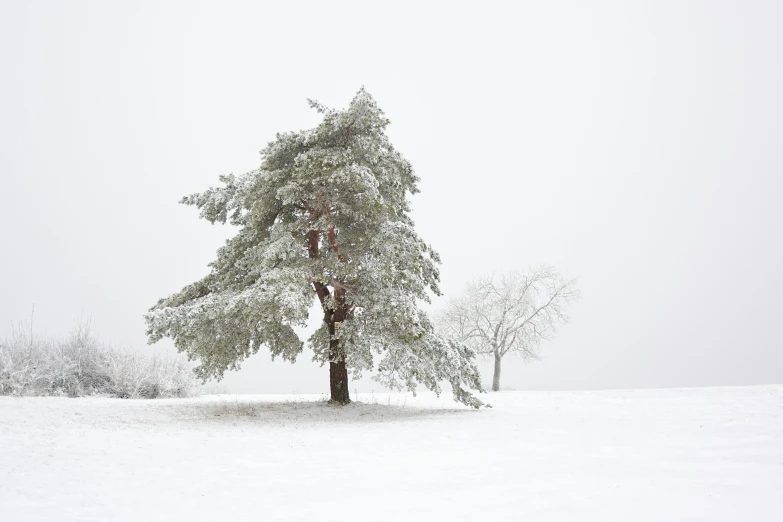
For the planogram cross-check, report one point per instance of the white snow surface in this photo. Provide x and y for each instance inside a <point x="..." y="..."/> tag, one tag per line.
<point x="709" y="454"/>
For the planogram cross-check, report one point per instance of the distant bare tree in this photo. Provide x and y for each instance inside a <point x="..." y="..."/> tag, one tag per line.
<point x="513" y="312"/>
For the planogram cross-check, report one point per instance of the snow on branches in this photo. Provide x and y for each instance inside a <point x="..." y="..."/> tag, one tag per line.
<point x="326" y="213"/>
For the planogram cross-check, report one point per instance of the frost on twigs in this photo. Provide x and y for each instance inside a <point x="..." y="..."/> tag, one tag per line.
<point x="326" y="215"/>
<point x="513" y="313"/>
<point x="79" y="365"/>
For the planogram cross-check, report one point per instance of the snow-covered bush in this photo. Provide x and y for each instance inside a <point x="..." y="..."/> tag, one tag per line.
<point x="79" y="366"/>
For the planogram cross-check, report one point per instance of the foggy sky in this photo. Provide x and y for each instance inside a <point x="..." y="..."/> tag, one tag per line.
<point x="637" y="146"/>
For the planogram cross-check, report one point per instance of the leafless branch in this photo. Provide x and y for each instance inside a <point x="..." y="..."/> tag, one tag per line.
<point x="512" y="313"/>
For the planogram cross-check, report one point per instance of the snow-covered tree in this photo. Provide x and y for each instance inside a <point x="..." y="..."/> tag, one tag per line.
<point x="326" y="214"/>
<point x="512" y="313"/>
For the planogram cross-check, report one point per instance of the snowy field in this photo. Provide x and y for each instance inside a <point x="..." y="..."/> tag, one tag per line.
<point x="654" y="455"/>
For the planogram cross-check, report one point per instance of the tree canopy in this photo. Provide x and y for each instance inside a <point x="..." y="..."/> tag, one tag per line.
<point x="511" y="313"/>
<point x="327" y="215"/>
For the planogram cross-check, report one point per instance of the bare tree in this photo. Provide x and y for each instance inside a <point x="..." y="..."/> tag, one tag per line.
<point x="511" y="313"/>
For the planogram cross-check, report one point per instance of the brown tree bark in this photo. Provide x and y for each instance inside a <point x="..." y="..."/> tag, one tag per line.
<point x="338" y="382"/>
<point x="338" y="371"/>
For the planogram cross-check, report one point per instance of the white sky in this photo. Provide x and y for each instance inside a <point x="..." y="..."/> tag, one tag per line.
<point x="636" y="145"/>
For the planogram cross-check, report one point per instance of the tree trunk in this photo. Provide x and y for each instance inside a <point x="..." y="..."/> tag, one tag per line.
<point x="338" y="372"/>
<point x="338" y="377"/>
<point x="496" y="376"/>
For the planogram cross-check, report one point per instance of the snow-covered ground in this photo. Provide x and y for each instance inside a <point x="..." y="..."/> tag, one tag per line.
<point x="659" y="455"/>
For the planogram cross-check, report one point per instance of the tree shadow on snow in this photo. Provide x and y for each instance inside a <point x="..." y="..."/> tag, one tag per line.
<point x="291" y="412"/>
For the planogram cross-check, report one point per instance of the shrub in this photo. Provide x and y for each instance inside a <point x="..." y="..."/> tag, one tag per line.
<point x="79" y="366"/>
